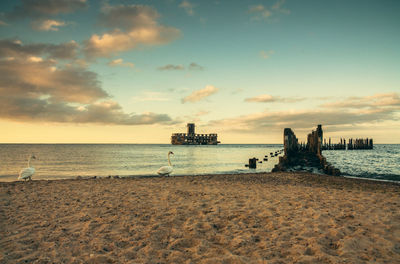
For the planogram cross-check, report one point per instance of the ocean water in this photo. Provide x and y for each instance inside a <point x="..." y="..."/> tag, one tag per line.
<point x="63" y="161"/>
<point x="382" y="163"/>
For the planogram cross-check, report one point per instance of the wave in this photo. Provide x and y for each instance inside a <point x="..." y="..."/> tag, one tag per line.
<point x="374" y="176"/>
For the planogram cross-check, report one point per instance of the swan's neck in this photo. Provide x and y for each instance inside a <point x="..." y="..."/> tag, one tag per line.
<point x="29" y="162"/>
<point x="169" y="161"/>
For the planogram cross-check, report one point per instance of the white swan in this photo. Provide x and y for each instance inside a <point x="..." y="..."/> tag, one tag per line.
<point x="166" y="170"/>
<point x="27" y="172"/>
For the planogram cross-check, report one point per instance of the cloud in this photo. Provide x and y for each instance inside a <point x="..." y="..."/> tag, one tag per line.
<point x="131" y="26"/>
<point x="171" y="67"/>
<point x="266" y="98"/>
<point x="110" y="112"/>
<point x="35" y="59"/>
<point x="278" y="4"/>
<point x="47" y="25"/>
<point x="200" y="94"/>
<point x="45" y="8"/>
<point x="34" y="87"/>
<point x="382" y="107"/>
<point x="266" y="54"/>
<point x="260" y="12"/>
<point x="194" y="66"/>
<point x="371" y="102"/>
<point x="188" y="7"/>
<point x="120" y="62"/>
<point x="260" y="122"/>
<point x="256" y="8"/>
<point x="278" y="7"/>
<point x="202" y="113"/>
<point x="105" y="112"/>
<point x="36" y="77"/>
<point x="15" y="48"/>
<point x="42" y="12"/>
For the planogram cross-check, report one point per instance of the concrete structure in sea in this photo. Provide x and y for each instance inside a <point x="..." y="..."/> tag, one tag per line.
<point x="191" y="138"/>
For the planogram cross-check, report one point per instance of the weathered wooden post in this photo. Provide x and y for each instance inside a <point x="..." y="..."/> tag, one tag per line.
<point x="296" y="156"/>
<point x="290" y="142"/>
<point x="320" y="136"/>
<point x="253" y="163"/>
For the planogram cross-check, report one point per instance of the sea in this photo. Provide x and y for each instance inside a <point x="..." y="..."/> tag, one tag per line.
<point x="68" y="161"/>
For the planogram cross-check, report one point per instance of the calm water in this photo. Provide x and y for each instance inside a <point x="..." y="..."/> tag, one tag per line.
<point x="383" y="162"/>
<point x="61" y="161"/>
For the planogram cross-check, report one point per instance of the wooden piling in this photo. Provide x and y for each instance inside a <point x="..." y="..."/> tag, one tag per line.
<point x="310" y="155"/>
<point x="253" y="163"/>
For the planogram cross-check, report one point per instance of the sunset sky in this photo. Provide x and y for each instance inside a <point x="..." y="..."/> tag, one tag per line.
<point x="82" y="71"/>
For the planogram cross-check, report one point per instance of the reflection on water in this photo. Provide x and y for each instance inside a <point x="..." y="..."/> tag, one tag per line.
<point x="57" y="161"/>
<point x="70" y="160"/>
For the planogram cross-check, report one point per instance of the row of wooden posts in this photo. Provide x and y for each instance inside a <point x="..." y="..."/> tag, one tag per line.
<point x="310" y="153"/>
<point x="358" y="143"/>
<point x="253" y="162"/>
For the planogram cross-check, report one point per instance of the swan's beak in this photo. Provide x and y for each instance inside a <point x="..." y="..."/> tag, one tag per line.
<point x="172" y="153"/>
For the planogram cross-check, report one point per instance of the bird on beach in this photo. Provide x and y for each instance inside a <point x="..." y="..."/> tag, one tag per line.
<point x="27" y="173"/>
<point x="166" y="170"/>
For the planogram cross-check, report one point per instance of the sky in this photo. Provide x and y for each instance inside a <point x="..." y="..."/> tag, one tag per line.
<point x="82" y="71"/>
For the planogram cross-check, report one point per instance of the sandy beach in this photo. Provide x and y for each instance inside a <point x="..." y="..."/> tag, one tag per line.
<point x="252" y="218"/>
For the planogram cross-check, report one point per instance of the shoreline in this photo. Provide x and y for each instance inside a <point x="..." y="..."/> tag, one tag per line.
<point x="241" y="218"/>
<point x="79" y="177"/>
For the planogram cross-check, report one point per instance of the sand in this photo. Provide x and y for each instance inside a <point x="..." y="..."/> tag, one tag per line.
<point x="255" y="218"/>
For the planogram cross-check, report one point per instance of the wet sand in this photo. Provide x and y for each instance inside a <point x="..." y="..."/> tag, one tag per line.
<point x="251" y="218"/>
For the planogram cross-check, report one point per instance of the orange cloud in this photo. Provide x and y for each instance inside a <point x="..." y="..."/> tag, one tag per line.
<point x="266" y="98"/>
<point x="260" y="12"/>
<point x="47" y="25"/>
<point x="15" y="48"/>
<point x="305" y="119"/>
<point x="200" y="94"/>
<point x="132" y="25"/>
<point x="377" y="100"/>
<point x="34" y="87"/>
<point x="120" y="62"/>
<point x="188" y="7"/>
<point x="266" y="54"/>
<point x="351" y="112"/>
